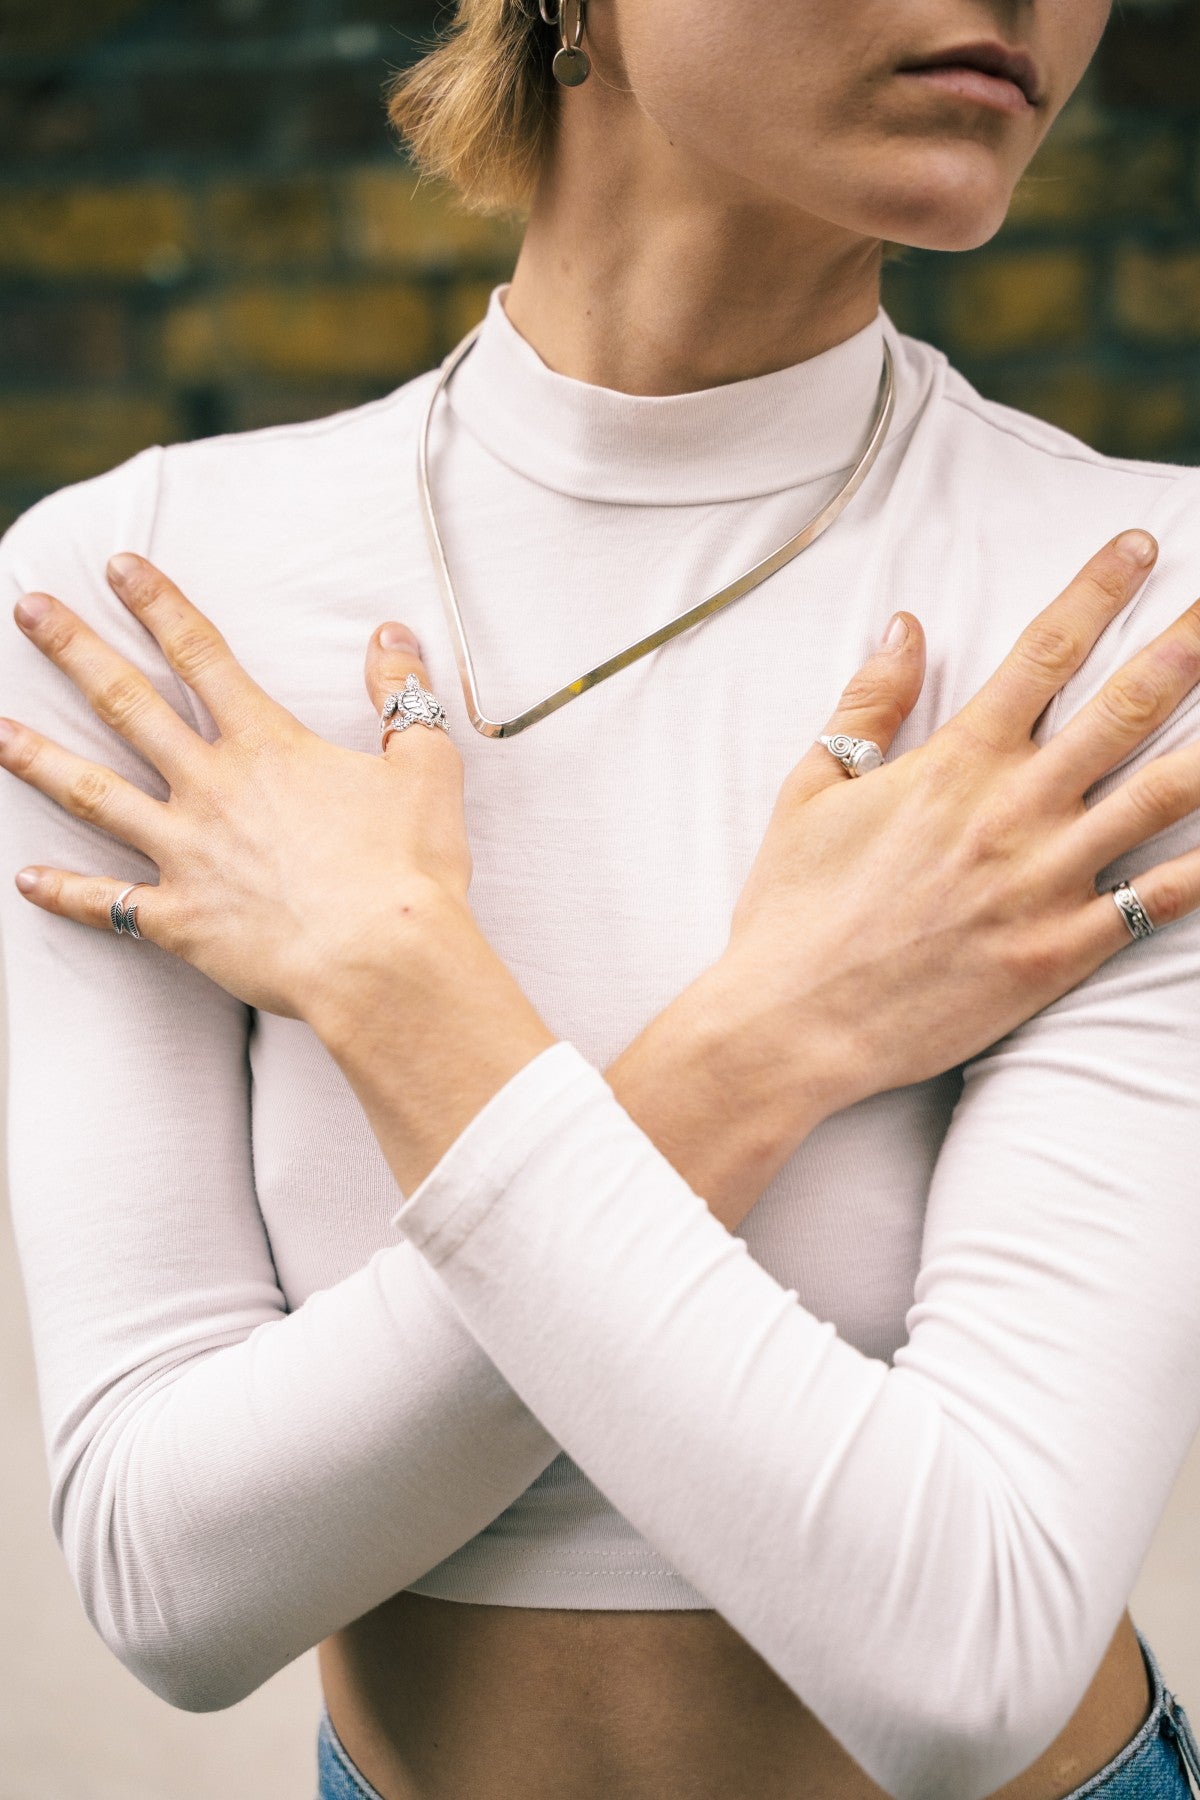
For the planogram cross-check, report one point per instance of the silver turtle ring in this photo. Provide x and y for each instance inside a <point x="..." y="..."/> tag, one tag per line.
<point x="411" y="705"/>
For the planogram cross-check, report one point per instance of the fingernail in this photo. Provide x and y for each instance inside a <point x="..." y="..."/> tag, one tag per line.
<point x="398" y="637"/>
<point x="6" y="732"/>
<point x="1137" y="548"/>
<point x="123" y="567"/>
<point x="32" y="607"/>
<point x="26" y="880"/>
<point x="896" y="632"/>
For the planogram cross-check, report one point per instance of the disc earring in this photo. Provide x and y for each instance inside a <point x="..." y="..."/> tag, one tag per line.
<point x="571" y="63"/>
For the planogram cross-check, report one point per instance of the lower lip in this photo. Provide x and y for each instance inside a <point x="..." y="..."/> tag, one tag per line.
<point x="995" y="91"/>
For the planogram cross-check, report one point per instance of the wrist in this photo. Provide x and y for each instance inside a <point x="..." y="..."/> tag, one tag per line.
<point x="359" y="994"/>
<point x="725" y="1084"/>
<point x="427" y="1024"/>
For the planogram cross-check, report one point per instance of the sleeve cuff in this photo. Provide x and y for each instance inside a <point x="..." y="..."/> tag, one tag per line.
<point x="444" y="1209"/>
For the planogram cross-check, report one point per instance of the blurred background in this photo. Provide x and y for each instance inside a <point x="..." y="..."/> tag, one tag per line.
<point x="205" y="227"/>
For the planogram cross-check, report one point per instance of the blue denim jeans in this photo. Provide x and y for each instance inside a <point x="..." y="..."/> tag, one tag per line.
<point x="1153" y="1765"/>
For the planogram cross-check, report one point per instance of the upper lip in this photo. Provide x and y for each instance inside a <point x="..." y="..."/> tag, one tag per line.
<point x="992" y="58"/>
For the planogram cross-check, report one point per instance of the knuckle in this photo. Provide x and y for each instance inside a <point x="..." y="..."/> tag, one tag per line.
<point x="25" y="753"/>
<point x="246" y="740"/>
<point x="97" y="897"/>
<point x="865" y="695"/>
<point x="119" y="699"/>
<point x="193" y="650"/>
<point x="861" y="689"/>
<point x="52" y="885"/>
<point x="1169" y="902"/>
<point x="58" y="633"/>
<point x="1050" y="647"/>
<point x="1109" y="577"/>
<point x="178" y="920"/>
<point x="953" y="762"/>
<point x="88" y="792"/>
<point x="1158" y="796"/>
<point x="1131" y="697"/>
<point x="141" y="587"/>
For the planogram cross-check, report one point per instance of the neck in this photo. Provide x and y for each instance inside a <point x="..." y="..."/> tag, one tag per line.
<point x="644" y="271"/>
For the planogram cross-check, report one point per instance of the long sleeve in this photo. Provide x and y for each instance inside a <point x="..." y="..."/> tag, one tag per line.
<point x="230" y="1481"/>
<point x="932" y="1554"/>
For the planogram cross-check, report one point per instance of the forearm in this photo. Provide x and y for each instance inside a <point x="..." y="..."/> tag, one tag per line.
<point x="720" y="1094"/>
<point x="870" y="1530"/>
<point x="723" y="1096"/>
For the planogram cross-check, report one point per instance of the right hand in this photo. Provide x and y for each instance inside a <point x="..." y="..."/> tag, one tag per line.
<point x="898" y="923"/>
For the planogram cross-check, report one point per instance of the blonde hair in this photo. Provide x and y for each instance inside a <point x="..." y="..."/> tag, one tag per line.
<point x="478" y="110"/>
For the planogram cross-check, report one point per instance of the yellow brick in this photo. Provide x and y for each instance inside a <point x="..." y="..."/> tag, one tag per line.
<point x="1157" y="293"/>
<point x="1064" y="181"/>
<point x="394" y="220"/>
<point x="1020" y="300"/>
<point x="1076" y="179"/>
<point x="142" y="229"/>
<point x="379" y="331"/>
<point x="257" y="224"/>
<point x="1123" y="416"/>
<point x="1147" y="177"/>
<point x="309" y="330"/>
<point x="1150" y="419"/>
<point x="52" y="439"/>
<point x="32" y="25"/>
<point x="192" y="343"/>
<point x="464" y="306"/>
<point x="1076" y="399"/>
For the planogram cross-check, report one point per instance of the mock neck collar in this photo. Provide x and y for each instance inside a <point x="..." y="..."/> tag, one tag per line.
<point x="750" y="437"/>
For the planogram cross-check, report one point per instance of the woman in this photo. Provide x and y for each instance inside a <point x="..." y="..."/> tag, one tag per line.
<point x="619" y="1459"/>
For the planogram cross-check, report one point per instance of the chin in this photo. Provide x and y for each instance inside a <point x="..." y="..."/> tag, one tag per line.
<point x="945" y="202"/>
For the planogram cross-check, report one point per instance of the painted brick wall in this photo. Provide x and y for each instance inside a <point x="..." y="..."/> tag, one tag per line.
<point x="1085" y="309"/>
<point x="204" y="226"/>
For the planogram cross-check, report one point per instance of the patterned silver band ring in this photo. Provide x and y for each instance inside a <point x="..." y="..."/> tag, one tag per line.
<point x="411" y="705"/>
<point x="1132" y="910"/>
<point x="124" y="918"/>
<point x="858" y="756"/>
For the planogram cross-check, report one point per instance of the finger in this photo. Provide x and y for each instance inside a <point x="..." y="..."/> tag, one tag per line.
<point x="1056" y="643"/>
<point x="190" y="642"/>
<point x="1165" y="791"/>
<point x="120" y="695"/>
<point x="86" y="789"/>
<point x="394" y="668"/>
<point x="1166" y="893"/>
<point x="874" y="704"/>
<point x="1143" y="692"/>
<point x="90" y="900"/>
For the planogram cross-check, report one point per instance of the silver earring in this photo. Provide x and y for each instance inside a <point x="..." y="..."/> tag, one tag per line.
<point x="571" y="63"/>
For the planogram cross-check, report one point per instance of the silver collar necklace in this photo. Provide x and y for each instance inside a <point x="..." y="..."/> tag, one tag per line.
<point x="768" y="566"/>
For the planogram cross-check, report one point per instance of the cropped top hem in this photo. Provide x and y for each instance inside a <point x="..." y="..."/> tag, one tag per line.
<point x="595" y="1581"/>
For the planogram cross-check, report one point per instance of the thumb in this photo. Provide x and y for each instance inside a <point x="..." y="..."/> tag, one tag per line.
<point x="874" y="704"/>
<point x="393" y="655"/>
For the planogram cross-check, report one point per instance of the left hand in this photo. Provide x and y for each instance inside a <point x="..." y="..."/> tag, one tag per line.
<point x="285" y="861"/>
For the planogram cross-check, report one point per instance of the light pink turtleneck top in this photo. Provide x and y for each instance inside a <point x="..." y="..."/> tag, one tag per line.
<point x="911" y="1427"/>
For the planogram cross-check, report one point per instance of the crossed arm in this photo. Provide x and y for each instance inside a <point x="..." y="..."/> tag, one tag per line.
<point x="231" y="1482"/>
<point x="914" y="1534"/>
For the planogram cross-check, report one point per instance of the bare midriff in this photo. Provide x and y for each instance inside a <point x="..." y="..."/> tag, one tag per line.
<point x="440" y="1700"/>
